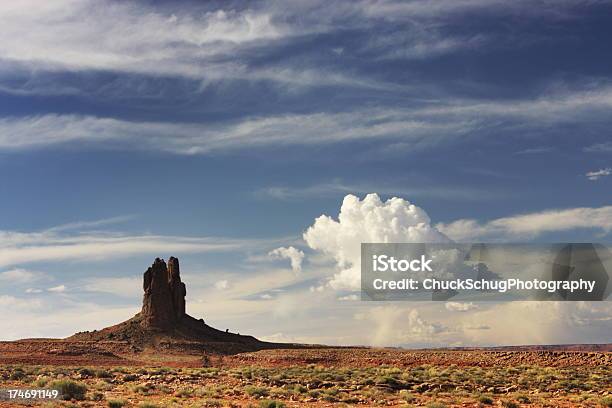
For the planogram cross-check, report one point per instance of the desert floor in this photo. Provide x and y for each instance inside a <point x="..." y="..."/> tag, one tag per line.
<point x="326" y="377"/>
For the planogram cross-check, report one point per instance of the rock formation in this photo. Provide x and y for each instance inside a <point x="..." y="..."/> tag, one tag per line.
<point x="163" y="305"/>
<point x="163" y="324"/>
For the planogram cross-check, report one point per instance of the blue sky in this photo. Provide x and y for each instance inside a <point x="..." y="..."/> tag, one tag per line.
<point x="206" y="123"/>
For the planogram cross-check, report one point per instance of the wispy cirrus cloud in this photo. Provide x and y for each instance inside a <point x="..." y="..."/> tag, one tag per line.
<point x="137" y="38"/>
<point x="225" y="42"/>
<point x="74" y="242"/>
<point x="339" y="188"/>
<point x="531" y="224"/>
<point x="21" y="276"/>
<point x="421" y="126"/>
<point x="605" y="147"/>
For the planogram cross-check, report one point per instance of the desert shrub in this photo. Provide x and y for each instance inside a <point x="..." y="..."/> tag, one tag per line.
<point x="331" y="394"/>
<point x="485" y="399"/>
<point x="141" y="389"/>
<point x="102" y="386"/>
<point x="70" y="389"/>
<point x="147" y="405"/>
<point x="388" y="380"/>
<point x="299" y="389"/>
<point x="436" y="405"/>
<point x="116" y="403"/>
<point x="102" y="374"/>
<point x="606" y="402"/>
<point x="523" y="399"/>
<point x="97" y="396"/>
<point x="86" y="372"/>
<point x="130" y="377"/>
<point x="41" y="382"/>
<point x="212" y="403"/>
<point x="314" y="393"/>
<point x="368" y="381"/>
<point x="271" y="404"/>
<point x="257" y="392"/>
<point x="510" y="404"/>
<point x="165" y="389"/>
<point x="184" y="393"/>
<point x="407" y="396"/>
<point x="17" y="374"/>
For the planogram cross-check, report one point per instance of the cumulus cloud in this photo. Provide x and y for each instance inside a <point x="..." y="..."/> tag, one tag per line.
<point x="596" y="175"/>
<point x="296" y="256"/>
<point x="530" y="225"/>
<point x="367" y="220"/>
<point x="57" y="289"/>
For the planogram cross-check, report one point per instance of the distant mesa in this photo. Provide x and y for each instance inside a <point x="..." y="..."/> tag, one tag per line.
<point x="164" y="324"/>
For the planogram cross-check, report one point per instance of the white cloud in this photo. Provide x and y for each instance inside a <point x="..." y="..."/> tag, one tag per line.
<point x="222" y="284"/>
<point x="199" y="41"/>
<point x="459" y="306"/>
<point x="596" y="175"/>
<point x="136" y="38"/>
<point x="187" y="138"/>
<point x="605" y="147"/>
<point x="417" y="127"/>
<point x="57" y="289"/>
<point x="530" y="225"/>
<point x="83" y="225"/>
<point x="20" y="276"/>
<point x="33" y="290"/>
<point x="536" y="150"/>
<point x="399" y="188"/>
<point x="118" y="286"/>
<point x="14" y="304"/>
<point x="295" y="255"/>
<point x="55" y="244"/>
<point x="352" y="297"/>
<point x="370" y="220"/>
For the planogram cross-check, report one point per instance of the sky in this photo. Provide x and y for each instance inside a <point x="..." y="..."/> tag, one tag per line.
<point x="261" y="141"/>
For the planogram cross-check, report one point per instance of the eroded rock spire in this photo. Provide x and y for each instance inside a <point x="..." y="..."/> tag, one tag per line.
<point x="163" y="305"/>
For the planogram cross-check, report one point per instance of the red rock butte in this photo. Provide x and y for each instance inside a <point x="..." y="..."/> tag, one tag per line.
<point x="163" y="305"/>
<point x="164" y="324"/>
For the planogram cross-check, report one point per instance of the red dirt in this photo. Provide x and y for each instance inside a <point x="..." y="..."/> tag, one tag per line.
<point x="119" y="353"/>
